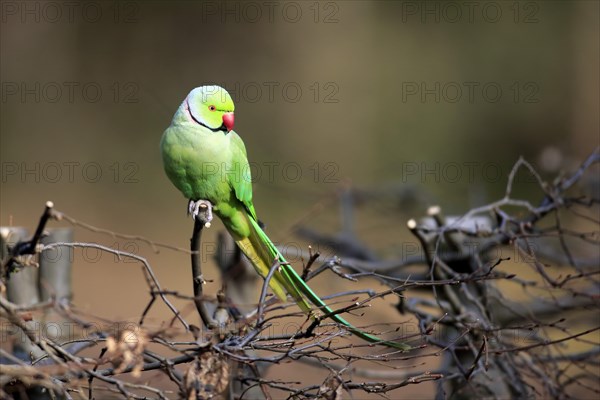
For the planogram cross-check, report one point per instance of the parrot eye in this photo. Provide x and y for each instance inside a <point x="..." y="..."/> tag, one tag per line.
<point x="212" y="108"/>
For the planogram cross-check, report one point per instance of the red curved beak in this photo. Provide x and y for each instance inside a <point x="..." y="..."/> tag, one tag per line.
<point x="228" y="121"/>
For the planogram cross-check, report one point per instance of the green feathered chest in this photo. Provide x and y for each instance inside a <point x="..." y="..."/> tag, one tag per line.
<point x="199" y="162"/>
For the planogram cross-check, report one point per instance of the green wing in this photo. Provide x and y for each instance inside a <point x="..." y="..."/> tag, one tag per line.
<point x="239" y="175"/>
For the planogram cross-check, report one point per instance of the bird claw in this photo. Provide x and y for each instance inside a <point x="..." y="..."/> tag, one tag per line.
<point x="201" y="209"/>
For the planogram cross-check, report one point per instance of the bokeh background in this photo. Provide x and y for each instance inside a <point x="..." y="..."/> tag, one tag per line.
<point x="416" y="103"/>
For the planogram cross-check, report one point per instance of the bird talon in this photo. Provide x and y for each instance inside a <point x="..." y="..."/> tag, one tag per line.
<point x="201" y="209"/>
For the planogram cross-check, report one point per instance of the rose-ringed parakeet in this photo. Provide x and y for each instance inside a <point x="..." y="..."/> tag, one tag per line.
<point x="206" y="160"/>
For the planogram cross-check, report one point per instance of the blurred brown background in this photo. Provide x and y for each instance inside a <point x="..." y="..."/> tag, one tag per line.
<point x="423" y="103"/>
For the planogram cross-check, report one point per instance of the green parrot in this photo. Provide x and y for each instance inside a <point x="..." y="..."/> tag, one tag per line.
<point x="206" y="160"/>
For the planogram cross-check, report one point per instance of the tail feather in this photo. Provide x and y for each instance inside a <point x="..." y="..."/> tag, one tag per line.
<point x="259" y="249"/>
<point x="262" y="253"/>
<point x="263" y="269"/>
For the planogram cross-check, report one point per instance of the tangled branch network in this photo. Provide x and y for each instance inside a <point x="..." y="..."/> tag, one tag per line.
<point x="496" y="303"/>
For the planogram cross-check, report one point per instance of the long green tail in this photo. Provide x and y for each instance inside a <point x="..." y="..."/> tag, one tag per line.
<point x="262" y="252"/>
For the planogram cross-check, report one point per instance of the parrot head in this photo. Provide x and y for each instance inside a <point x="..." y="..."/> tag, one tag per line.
<point x="212" y="107"/>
